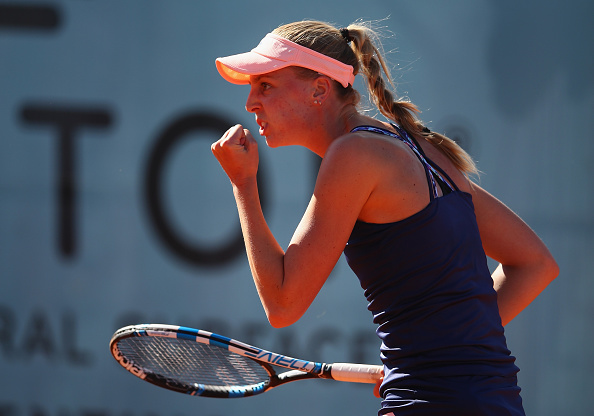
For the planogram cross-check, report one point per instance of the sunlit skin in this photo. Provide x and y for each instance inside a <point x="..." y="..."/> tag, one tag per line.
<point x="294" y="111"/>
<point x="363" y="176"/>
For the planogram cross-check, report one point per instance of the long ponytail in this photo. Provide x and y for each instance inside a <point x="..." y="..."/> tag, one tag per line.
<point x="356" y="46"/>
<point x="402" y="112"/>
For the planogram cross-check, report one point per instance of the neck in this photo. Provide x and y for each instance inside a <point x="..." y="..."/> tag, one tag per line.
<point x="335" y="125"/>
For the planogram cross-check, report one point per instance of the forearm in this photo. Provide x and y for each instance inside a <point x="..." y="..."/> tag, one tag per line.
<point x="265" y="255"/>
<point x="517" y="287"/>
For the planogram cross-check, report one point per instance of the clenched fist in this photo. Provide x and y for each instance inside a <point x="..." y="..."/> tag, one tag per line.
<point x="237" y="152"/>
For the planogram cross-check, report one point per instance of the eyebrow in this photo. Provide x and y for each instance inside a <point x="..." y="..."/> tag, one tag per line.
<point x="260" y="76"/>
<point x="257" y="78"/>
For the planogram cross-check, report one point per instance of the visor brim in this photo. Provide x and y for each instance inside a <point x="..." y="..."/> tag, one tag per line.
<point x="237" y="69"/>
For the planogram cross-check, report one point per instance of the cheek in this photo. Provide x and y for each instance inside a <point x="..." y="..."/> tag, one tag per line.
<point x="292" y="112"/>
<point x="296" y="109"/>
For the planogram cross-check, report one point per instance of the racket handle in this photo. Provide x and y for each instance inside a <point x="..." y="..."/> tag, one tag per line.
<point x="356" y="373"/>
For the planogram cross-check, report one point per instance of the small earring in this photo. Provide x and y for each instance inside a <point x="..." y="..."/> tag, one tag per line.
<point x="317" y="102"/>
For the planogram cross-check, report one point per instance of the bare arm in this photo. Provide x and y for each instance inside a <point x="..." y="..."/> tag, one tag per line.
<point x="237" y="152"/>
<point x="526" y="265"/>
<point x="287" y="282"/>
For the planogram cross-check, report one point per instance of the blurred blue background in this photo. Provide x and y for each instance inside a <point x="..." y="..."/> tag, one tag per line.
<point x="113" y="210"/>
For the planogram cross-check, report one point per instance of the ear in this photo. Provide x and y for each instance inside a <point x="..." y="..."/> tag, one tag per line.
<point x="321" y="88"/>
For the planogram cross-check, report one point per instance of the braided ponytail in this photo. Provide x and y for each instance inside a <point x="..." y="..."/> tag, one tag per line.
<point x="402" y="112"/>
<point x="355" y="46"/>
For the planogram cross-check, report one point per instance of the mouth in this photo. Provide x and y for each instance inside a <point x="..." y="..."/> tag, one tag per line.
<point x="263" y="125"/>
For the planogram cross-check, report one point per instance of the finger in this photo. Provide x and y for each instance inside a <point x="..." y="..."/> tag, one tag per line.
<point x="376" y="388"/>
<point x="234" y="135"/>
<point x="249" y="139"/>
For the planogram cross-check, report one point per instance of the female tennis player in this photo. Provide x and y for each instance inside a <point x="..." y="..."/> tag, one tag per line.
<point x="398" y="200"/>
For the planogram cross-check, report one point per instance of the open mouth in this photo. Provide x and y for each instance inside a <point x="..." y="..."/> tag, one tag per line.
<point x="263" y="125"/>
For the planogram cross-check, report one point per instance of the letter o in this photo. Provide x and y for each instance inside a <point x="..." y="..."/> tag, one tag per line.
<point x="172" y="135"/>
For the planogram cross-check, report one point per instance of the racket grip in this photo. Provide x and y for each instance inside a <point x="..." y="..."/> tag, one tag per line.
<point x="356" y="373"/>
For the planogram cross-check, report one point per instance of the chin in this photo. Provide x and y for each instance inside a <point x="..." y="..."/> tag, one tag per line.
<point x="280" y="140"/>
<point x="270" y="142"/>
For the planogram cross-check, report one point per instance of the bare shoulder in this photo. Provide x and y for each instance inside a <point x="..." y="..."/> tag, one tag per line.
<point x="381" y="167"/>
<point x="351" y="159"/>
<point x="372" y="157"/>
<point x="366" y="150"/>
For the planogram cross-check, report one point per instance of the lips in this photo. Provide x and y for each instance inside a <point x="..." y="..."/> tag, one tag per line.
<point x="263" y="125"/>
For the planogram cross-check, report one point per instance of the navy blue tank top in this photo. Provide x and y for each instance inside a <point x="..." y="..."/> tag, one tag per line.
<point x="431" y="294"/>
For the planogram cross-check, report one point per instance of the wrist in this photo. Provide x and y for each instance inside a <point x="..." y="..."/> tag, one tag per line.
<point x="245" y="185"/>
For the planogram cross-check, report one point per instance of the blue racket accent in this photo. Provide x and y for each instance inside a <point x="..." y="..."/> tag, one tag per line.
<point x="237" y="393"/>
<point x="183" y="335"/>
<point x="190" y="331"/>
<point x="187" y="329"/>
<point x="219" y="341"/>
<point x="259" y="388"/>
<point x="317" y="368"/>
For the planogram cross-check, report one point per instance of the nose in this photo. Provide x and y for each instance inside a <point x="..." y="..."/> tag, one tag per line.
<point x="251" y="104"/>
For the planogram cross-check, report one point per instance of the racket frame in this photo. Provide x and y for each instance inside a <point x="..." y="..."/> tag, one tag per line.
<point x="299" y="369"/>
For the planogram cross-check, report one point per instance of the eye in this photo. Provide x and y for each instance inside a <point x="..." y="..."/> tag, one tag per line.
<point x="265" y="86"/>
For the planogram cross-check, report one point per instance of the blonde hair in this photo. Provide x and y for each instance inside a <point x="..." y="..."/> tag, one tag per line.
<point x="356" y="46"/>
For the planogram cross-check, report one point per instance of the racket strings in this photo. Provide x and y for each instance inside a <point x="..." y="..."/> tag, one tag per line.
<point x="192" y="363"/>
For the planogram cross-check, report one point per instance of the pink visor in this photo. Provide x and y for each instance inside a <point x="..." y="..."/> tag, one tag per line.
<point x="275" y="52"/>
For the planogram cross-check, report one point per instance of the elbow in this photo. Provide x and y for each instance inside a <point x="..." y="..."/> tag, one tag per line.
<point x="282" y="317"/>
<point x="284" y="309"/>
<point x="546" y="267"/>
<point x="279" y="322"/>
<point x="543" y="264"/>
<point x="552" y="268"/>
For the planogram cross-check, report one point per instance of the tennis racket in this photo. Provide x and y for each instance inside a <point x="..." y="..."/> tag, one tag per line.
<point x="200" y="363"/>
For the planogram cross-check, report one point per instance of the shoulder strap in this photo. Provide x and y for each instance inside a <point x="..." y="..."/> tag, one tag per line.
<point x="449" y="183"/>
<point x="430" y="172"/>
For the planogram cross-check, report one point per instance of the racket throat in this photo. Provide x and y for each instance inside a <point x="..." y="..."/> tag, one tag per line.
<point x="326" y="371"/>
